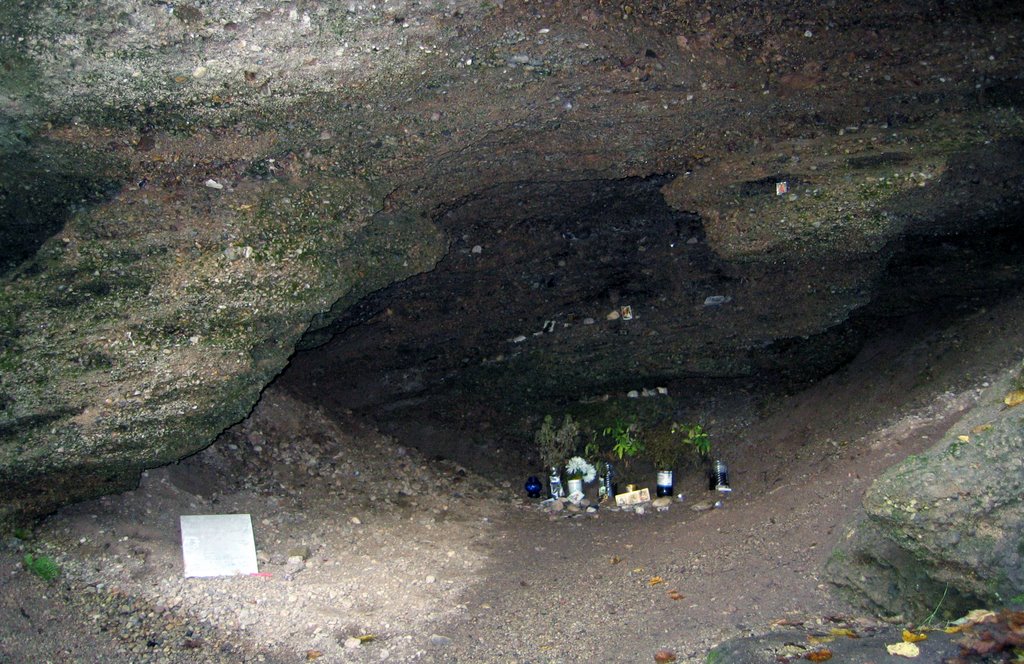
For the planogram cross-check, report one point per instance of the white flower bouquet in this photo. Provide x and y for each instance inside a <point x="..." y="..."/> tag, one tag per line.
<point x="579" y="468"/>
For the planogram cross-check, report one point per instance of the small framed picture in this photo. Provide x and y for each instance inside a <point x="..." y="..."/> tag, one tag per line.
<point x="781" y="188"/>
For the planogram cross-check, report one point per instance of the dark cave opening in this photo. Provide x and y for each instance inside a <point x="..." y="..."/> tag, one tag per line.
<point x="572" y="296"/>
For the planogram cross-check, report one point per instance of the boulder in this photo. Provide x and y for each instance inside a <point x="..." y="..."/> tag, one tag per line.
<point x="943" y="531"/>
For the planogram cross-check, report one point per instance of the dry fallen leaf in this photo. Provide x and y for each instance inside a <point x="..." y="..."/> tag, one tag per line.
<point x="843" y="631"/>
<point x="910" y="637"/>
<point x="981" y="428"/>
<point x="979" y="615"/>
<point x="904" y="649"/>
<point x="663" y="656"/>
<point x="1014" y="398"/>
<point x="965" y="439"/>
<point x="675" y="595"/>
<point x="822" y="655"/>
<point x="313" y="654"/>
<point x="816" y="640"/>
<point x="366" y="638"/>
<point x="616" y="560"/>
<point x="655" y="580"/>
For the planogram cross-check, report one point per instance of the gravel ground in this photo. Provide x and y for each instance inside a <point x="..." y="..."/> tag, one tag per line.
<point x="358" y="536"/>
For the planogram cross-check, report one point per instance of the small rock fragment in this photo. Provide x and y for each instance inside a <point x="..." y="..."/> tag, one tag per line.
<point x="351" y="643"/>
<point x="301" y="552"/>
<point x="213" y="184"/>
<point x="439" y="641"/>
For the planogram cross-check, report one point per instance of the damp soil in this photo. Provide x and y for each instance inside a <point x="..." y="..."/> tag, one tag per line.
<point x="370" y="551"/>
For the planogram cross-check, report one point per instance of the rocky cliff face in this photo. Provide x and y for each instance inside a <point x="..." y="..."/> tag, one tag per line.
<point x="454" y="202"/>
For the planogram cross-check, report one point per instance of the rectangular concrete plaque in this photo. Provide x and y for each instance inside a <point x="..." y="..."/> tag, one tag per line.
<point x="218" y="545"/>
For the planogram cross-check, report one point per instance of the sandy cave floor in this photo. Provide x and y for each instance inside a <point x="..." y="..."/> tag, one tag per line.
<point x="442" y="565"/>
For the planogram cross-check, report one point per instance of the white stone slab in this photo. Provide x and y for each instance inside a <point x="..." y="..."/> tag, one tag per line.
<point x="218" y="545"/>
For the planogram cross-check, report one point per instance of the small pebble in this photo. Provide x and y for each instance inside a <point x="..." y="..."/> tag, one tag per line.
<point x="352" y="643"/>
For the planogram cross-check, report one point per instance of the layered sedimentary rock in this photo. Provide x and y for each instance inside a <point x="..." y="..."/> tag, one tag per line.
<point x="191" y="192"/>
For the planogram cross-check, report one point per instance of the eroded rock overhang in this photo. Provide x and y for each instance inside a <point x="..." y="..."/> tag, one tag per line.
<point x="228" y="180"/>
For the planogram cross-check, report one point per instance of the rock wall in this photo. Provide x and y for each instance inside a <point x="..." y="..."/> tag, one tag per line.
<point x="944" y="531"/>
<point x="189" y="189"/>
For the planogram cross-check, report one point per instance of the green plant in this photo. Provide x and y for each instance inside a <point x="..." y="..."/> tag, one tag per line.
<point x="695" y="436"/>
<point x="45" y="567"/>
<point x="928" y="621"/>
<point x="627" y="442"/>
<point x="556" y="444"/>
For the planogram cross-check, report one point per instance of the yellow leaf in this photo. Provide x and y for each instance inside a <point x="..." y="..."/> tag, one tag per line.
<point x="842" y="631"/>
<point x="910" y="637"/>
<point x="366" y="638"/>
<point x="953" y="629"/>
<point x="981" y="428"/>
<point x="1014" y="398"/>
<point x="615" y="560"/>
<point x="815" y="640"/>
<point x="979" y="615"/>
<point x="655" y="580"/>
<point x="904" y="649"/>
<point x="966" y="439"/>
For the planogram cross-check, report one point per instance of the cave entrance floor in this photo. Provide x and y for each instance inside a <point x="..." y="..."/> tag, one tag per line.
<point x="359" y="535"/>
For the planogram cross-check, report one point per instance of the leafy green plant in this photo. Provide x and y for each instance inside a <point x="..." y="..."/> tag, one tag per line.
<point x="554" y="445"/>
<point x="694" y="436"/>
<point x="627" y="443"/>
<point x="45" y="567"/>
